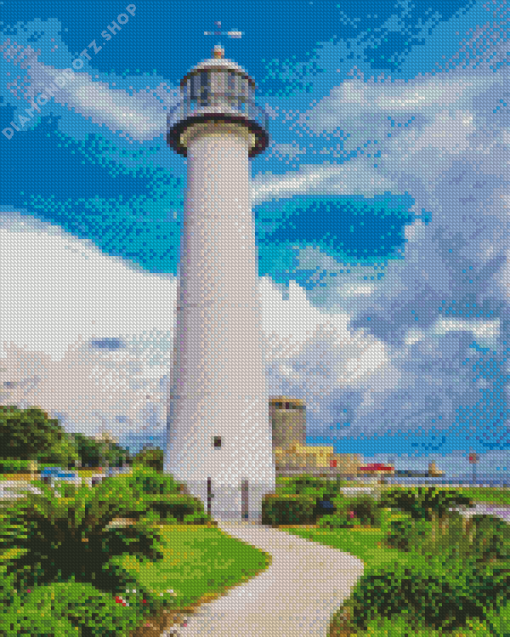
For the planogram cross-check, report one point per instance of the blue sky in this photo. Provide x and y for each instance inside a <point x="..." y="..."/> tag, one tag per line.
<point x="381" y="211"/>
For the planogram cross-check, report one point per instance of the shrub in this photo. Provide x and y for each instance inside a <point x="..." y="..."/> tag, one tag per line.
<point x="441" y="593"/>
<point x="490" y="537"/>
<point x="146" y="481"/>
<point x="13" y="465"/>
<point x="424" y="502"/>
<point x="308" y="485"/>
<point x="367" y="510"/>
<point x="397" y="626"/>
<point x="196" y="518"/>
<point x="35" y="622"/>
<point x="70" y="536"/>
<point x="174" y="505"/>
<point x="336" y="521"/>
<point x="150" y="458"/>
<point x="498" y="620"/>
<point x="288" y="509"/>
<point x="407" y="534"/>
<point x="73" y="608"/>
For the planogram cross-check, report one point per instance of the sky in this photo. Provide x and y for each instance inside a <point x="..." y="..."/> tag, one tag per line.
<point x="381" y="211"/>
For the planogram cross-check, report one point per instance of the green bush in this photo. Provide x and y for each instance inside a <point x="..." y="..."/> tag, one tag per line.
<point x="424" y="502"/>
<point x="336" y="521"/>
<point x="146" y="481"/>
<point x="321" y="488"/>
<point x="440" y="592"/>
<point x="490" y="537"/>
<point x="73" y="608"/>
<point x="35" y="622"/>
<point x="12" y="465"/>
<point x="196" y="518"/>
<point x="150" y="457"/>
<point x="175" y="505"/>
<point x="61" y="537"/>
<point x="366" y="509"/>
<point x="397" y="626"/>
<point x="498" y="620"/>
<point x="407" y="534"/>
<point x="288" y="509"/>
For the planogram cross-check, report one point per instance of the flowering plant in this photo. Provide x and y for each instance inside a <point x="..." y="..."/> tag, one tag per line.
<point x="142" y="598"/>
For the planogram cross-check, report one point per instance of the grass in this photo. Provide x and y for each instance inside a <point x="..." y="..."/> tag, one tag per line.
<point x="367" y="544"/>
<point x="493" y="495"/>
<point x="200" y="563"/>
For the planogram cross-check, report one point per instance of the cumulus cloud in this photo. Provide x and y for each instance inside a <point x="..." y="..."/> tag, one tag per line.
<point x="136" y="114"/>
<point x="89" y="337"/>
<point x="441" y="138"/>
<point x="83" y="333"/>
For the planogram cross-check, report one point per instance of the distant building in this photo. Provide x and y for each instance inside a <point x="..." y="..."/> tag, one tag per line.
<point x="434" y="471"/>
<point x="377" y="469"/>
<point x="346" y="463"/>
<point x="288" y="418"/>
<point x="297" y="455"/>
<point x="410" y="473"/>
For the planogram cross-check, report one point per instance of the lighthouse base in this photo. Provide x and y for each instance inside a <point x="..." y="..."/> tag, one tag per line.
<point x="230" y="502"/>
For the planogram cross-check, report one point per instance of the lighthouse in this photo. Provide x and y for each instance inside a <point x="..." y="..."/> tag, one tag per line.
<point x="219" y="439"/>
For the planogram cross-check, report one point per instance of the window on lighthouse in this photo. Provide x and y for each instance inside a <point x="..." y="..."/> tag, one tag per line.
<point x="231" y="90"/>
<point x="205" y="89"/>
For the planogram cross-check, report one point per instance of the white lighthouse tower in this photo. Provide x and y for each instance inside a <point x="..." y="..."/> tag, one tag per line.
<point x="219" y="439"/>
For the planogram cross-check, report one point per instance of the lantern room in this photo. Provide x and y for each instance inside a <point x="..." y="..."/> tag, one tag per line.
<point x="220" y="90"/>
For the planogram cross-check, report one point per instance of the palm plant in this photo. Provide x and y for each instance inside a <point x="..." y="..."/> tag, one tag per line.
<point x="427" y="503"/>
<point x="67" y="533"/>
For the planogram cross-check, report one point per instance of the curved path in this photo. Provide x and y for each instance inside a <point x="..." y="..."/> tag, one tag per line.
<point x="295" y="596"/>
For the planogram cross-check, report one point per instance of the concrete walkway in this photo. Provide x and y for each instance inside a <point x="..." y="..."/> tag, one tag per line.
<point x="294" y="597"/>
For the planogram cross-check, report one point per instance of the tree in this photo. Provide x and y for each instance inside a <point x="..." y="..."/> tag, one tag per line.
<point x="150" y="457"/>
<point x="26" y="433"/>
<point x="91" y="452"/>
<point x="3" y="393"/>
<point x="64" y="452"/>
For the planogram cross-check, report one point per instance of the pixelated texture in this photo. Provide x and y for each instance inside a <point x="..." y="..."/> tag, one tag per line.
<point x="285" y="254"/>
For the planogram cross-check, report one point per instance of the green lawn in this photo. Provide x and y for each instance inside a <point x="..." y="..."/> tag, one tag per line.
<point x="363" y="542"/>
<point x="199" y="561"/>
<point x="367" y="544"/>
<point x="199" y="564"/>
<point x="486" y="494"/>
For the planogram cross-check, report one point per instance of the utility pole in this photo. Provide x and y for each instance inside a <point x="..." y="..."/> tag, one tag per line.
<point x="473" y="459"/>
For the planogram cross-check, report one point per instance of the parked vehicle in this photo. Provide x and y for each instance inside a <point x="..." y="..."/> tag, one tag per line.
<point x="51" y="474"/>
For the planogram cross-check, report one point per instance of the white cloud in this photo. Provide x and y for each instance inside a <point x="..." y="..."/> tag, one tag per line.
<point x="484" y="332"/>
<point x="354" y="178"/>
<point x="138" y="115"/>
<point x="59" y="293"/>
<point x="56" y="288"/>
